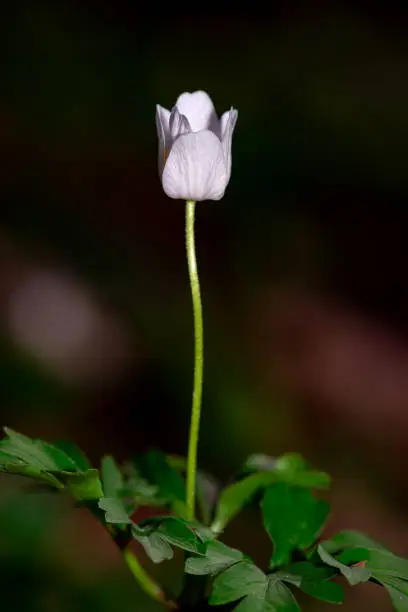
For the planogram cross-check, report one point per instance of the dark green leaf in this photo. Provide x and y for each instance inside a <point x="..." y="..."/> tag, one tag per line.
<point x="350" y="539"/>
<point x="290" y="469"/>
<point x="293" y="518"/>
<point x="234" y="497"/>
<point x="391" y="571"/>
<point x="112" y="479"/>
<point x="178" y="532"/>
<point x="84" y="486"/>
<point x="28" y="471"/>
<point x="157" y="535"/>
<point x="259" y="463"/>
<point x="78" y="457"/>
<point x="291" y="463"/>
<point x="36" y="453"/>
<point x="354" y="575"/>
<point x="381" y="565"/>
<point x="156" y="547"/>
<point x="399" y="599"/>
<point x="280" y="597"/>
<point x="115" y="511"/>
<point x="156" y="468"/>
<point x="314" y="581"/>
<point x="327" y="591"/>
<point x="306" y="570"/>
<point x="377" y="561"/>
<point x="258" y="592"/>
<point x="138" y="492"/>
<point x="238" y="581"/>
<point x="293" y="469"/>
<point x="217" y="557"/>
<point x="252" y="603"/>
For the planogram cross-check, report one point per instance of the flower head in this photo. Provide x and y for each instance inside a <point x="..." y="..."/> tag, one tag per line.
<point x="194" y="148"/>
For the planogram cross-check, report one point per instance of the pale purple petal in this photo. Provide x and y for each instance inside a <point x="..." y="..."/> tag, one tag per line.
<point x="195" y="169"/>
<point x="228" y="121"/>
<point x="163" y="134"/>
<point x="199" y="110"/>
<point x="178" y="124"/>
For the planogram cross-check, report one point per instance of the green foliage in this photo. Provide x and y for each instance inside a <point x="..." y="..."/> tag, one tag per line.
<point x="293" y="518"/>
<point x="289" y="469"/>
<point x="217" y="557"/>
<point x="115" y="511"/>
<point x="158" y="535"/>
<point x="313" y="580"/>
<point x="155" y="467"/>
<point x="259" y="592"/>
<point x="59" y="465"/>
<point x="383" y="567"/>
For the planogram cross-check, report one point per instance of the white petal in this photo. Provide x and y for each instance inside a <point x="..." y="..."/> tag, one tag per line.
<point x="163" y="134"/>
<point x="195" y="169"/>
<point x="179" y="124"/>
<point x="199" y="110"/>
<point x="228" y="121"/>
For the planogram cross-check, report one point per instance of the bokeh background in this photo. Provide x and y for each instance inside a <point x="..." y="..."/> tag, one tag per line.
<point x="303" y="265"/>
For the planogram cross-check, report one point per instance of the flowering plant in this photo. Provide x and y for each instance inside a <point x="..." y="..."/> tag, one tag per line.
<point x="194" y="165"/>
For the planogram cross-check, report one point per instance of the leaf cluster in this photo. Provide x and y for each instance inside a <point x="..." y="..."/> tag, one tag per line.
<point x="287" y="491"/>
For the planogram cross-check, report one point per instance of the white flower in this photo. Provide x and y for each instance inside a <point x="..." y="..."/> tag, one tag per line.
<point x="194" y="148"/>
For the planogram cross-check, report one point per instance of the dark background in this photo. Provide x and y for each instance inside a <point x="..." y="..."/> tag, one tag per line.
<point x="303" y="264"/>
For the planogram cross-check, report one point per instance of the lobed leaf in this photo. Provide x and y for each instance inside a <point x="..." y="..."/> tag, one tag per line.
<point x="293" y="518"/>
<point x="290" y="469"/>
<point x="217" y="557"/>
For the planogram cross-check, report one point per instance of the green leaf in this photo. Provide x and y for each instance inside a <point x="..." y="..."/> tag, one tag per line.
<point x="293" y="518"/>
<point x="354" y="575"/>
<point x="178" y="532"/>
<point x="137" y="491"/>
<point x="350" y="539"/>
<point x="399" y="599"/>
<point x="377" y="561"/>
<point x="259" y="593"/>
<point x="57" y="465"/>
<point x="238" y="581"/>
<point x="159" y="534"/>
<point x="307" y="571"/>
<point x="112" y="479"/>
<point x="84" y="486"/>
<point x="234" y="497"/>
<point x="314" y="581"/>
<point x="380" y="564"/>
<point x="36" y="453"/>
<point x="115" y="512"/>
<point x="156" y="468"/>
<point x="327" y="591"/>
<point x="259" y="463"/>
<point x="28" y="471"/>
<point x="289" y="469"/>
<point x="280" y="597"/>
<point x="217" y="557"/>
<point x="390" y="571"/>
<point x="156" y="547"/>
<point x="292" y="462"/>
<point x="81" y="462"/>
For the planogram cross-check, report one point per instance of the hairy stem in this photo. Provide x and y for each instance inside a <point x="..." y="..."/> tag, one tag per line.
<point x="198" y="361"/>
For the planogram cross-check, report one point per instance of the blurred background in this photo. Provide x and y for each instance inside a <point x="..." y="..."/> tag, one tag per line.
<point x="303" y="265"/>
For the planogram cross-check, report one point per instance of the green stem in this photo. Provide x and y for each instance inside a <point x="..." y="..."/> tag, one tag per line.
<point x="198" y="361"/>
<point x="145" y="580"/>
